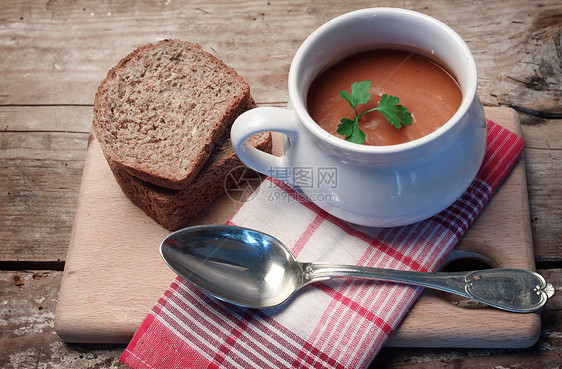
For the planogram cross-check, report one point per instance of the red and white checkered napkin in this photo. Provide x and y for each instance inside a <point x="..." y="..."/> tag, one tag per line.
<point x="340" y="323"/>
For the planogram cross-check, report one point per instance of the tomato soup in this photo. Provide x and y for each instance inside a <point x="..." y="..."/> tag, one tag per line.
<point x="427" y="90"/>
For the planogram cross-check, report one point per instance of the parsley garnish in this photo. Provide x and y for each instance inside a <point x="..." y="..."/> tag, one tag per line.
<point x="397" y="115"/>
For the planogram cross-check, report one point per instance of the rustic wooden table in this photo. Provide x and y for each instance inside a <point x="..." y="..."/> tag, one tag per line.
<point x="53" y="55"/>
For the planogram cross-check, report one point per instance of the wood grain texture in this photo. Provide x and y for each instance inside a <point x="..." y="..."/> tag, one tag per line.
<point x="48" y="119"/>
<point x="42" y="65"/>
<point x="543" y="160"/>
<point x="27" y="335"/>
<point x="40" y="174"/>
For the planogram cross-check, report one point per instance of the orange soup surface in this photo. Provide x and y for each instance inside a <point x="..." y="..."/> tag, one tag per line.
<point x="426" y="89"/>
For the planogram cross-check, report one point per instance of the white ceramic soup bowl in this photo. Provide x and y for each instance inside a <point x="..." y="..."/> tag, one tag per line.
<point x="379" y="186"/>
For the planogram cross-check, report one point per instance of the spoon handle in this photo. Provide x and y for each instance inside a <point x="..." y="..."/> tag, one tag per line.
<point x="514" y="290"/>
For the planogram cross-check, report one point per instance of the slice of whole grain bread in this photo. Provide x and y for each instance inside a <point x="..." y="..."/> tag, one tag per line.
<point x="160" y="111"/>
<point x="173" y="209"/>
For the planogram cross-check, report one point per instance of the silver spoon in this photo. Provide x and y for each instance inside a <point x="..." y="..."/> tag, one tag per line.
<point x="252" y="269"/>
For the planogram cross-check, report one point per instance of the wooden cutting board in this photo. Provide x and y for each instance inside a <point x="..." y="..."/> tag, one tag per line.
<point x="114" y="273"/>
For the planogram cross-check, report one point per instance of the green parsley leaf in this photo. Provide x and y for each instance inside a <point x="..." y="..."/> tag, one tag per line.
<point x="360" y="93"/>
<point x="346" y="127"/>
<point x="357" y="136"/>
<point x="396" y="114"/>
<point x="347" y="97"/>
<point x="350" y="129"/>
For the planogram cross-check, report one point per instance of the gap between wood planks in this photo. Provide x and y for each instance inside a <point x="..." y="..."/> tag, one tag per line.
<point x="10" y="265"/>
<point x="536" y="113"/>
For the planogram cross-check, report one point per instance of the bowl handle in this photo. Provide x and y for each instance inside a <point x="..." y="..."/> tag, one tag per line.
<point x="260" y="120"/>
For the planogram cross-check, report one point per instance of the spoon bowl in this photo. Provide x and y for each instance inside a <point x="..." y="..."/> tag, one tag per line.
<point x="234" y="264"/>
<point x="252" y="269"/>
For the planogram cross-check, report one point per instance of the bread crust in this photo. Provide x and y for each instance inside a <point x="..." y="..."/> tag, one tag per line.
<point x="142" y="161"/>
<point x="174" y="209"/>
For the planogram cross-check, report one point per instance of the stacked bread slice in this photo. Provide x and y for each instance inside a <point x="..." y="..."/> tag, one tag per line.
<point x="162" y="117"/>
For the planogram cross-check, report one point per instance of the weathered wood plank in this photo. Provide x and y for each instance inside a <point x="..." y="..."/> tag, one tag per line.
<point x="42" y="152"/>
<point x="39" y="180"/>
<point x="77" y="119"/>
<point x="41" y="161"/>
<point x="28" y="339"/>
<point x="27" y="335"/>
<point x="540" y="133"/>
<point x="543" y="159"/>
<point x="545" y="201"/>
<point x="57" y="53"/>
